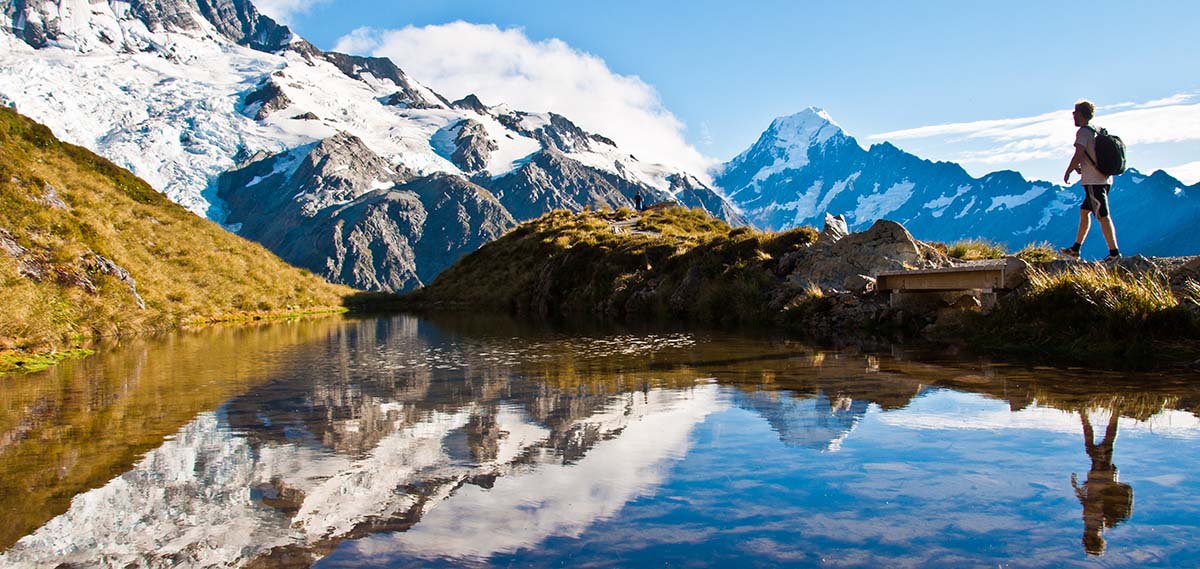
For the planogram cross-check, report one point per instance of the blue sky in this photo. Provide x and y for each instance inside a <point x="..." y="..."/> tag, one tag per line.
<point x="719" y="73"/>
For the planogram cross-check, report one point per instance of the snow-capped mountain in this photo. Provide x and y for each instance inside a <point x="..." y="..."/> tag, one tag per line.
<point x="805" y="165"/>
<point x="220" y="108"/>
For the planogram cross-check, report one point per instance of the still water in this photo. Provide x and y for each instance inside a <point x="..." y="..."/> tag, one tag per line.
<point x="402" y="442"/>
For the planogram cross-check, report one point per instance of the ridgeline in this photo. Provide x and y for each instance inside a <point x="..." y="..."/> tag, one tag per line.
<point x="88" y="250"/>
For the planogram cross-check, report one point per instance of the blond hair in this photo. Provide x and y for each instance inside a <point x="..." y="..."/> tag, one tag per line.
<point x="1086" y="109"/>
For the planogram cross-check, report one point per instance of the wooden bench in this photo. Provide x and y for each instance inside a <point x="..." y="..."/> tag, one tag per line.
<point x="985" y="277"/>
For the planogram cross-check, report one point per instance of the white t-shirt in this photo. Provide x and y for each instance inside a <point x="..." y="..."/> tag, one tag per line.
<point x="1086" y="137"/>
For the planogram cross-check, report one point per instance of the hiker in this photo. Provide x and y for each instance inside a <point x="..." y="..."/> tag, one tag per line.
<point x="1095" y="184"/>
<point x="637" y="200"/>
<point x="1106" y="502"/>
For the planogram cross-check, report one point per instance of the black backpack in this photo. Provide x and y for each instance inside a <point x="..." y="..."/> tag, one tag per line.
<point x="1110" y="153"/>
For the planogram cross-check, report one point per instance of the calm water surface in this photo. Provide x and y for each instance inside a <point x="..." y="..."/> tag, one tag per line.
<point x="413" y="443"/>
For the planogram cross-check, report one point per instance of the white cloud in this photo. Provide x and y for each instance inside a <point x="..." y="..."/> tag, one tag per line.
<point x="1011" y="142"/>
<point x="505" y="66"/>
<point x="284" y="10"/>
<point x="1187" y="173"/>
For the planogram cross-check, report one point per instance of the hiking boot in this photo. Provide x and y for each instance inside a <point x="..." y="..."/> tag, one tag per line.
<point x="1112" y="257"/>
<point x="1069" y="252"/>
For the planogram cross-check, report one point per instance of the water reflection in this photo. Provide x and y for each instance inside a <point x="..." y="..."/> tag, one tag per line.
<point x="1106" y="502"/>
<point x="406" y="442"/>
<point x="816" y="422"/>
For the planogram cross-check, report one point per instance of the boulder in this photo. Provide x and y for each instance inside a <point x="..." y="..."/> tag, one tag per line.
<point x="835" y="228"/>
<point x="886" y="246"/>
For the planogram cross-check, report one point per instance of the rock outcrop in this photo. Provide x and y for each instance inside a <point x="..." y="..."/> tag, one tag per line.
<point x="473" y="147"/>
<point x="838" y="262"/>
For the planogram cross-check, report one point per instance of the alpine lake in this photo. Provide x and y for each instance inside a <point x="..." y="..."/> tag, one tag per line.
<point x="398" y="441"/>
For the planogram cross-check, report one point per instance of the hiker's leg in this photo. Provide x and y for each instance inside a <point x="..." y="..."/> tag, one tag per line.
<point x="1085" y="223"/>
<point x="1110" y="233"/>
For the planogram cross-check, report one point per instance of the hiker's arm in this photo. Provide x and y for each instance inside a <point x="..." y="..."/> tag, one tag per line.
<point x="1076" y="163"/>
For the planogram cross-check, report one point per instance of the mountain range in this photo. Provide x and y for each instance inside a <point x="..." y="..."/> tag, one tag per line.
<point x="343" y="165"/>
<point x="804" y="166"/>
<point x="348" y="167"/>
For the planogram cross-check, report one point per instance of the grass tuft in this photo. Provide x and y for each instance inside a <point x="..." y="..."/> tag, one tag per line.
<point x="1042" y="252"/>
<point x="975" y="250"/>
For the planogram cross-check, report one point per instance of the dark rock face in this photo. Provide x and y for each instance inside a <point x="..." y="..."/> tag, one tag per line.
<point x="401" y="238"/>
<point x="342" y="211"/>
<point x="264" y="100"/>
<point x="240" y="21"/>
<point x="473" y="146"/>
<point x="236" y="20"/>
<point x="470" y="103"/>
<point x="552" y="181"/>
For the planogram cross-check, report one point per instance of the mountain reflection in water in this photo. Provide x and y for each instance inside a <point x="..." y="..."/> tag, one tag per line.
<point x="399" y="441"/>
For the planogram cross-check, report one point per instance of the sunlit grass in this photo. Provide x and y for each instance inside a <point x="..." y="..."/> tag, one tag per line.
<point x="186" y="268"/>
<point x="1037" y="253"/>
<point x="1091" y="313"/>
<point x="671" y="262"/>
<point x="975" y="250"/>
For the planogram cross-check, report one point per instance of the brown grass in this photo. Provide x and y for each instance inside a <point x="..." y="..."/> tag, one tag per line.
<point x="672" y="262"/>
<point x="186" y="268"/>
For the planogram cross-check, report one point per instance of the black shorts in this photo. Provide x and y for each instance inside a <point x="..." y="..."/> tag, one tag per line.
<point x="1095" y="199"/>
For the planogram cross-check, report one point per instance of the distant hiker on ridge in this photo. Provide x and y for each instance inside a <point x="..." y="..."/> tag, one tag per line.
<point x="637" y="200"/>
<point x="1095" y="184"/>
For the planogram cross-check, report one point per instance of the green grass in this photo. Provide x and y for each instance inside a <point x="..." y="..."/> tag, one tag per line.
<point x="187" y="269"/>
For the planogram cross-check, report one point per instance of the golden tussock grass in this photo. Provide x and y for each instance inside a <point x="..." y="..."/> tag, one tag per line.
<point x="186" y="268"/>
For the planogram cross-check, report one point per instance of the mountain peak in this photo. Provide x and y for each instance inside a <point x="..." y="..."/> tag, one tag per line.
<point x="809" y="127"/>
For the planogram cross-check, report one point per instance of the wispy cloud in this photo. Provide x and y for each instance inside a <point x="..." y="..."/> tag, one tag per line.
<point x="506" y="66"/>
<point x="1172" y="119"/>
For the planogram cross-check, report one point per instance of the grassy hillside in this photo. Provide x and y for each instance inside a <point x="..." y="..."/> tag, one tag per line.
<point x="87" y="249"/>
<point x="670" y="262"/>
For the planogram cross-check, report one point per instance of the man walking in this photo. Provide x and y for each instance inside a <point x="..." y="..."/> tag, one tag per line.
<point x="1095" y="184"/>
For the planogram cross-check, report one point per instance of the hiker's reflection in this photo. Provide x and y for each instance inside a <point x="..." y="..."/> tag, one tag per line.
<point x="1105" y="501"/>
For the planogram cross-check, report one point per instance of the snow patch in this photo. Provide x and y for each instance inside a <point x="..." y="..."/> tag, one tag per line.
<point x="876" y="205"/>
<point x="966" y="209"/>
<point x="1010" y="202"/>
<point x="940" y="204"/>
<point x="838" y="187"/>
